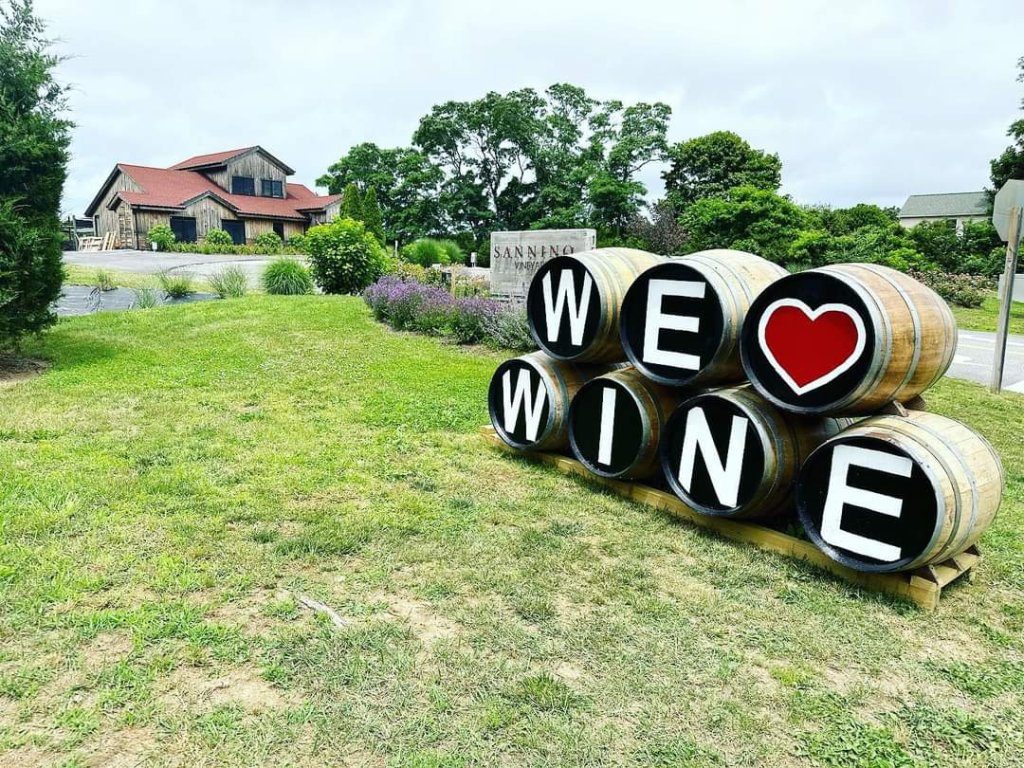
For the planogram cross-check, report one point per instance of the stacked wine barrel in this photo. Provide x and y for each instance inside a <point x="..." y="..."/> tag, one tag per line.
<point x="755" y="394"/>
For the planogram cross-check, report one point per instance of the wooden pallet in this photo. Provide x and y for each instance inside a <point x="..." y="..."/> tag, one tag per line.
<point x="923" y="586"/>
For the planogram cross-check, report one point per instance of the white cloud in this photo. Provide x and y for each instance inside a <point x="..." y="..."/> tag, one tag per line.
<point x="864" y="102"/>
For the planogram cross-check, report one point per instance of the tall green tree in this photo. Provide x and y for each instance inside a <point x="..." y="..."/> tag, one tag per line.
<point x="711" y="165"/>
<point x="747" y="219"/>
<point x="1010" y="164"/>
<point x="34" y="139"/>
<point x="352" y="202"/>
<point x="371" y="215"/>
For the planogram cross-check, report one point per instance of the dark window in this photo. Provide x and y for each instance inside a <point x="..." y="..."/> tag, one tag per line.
<point x="243" y="185"/>
<point x="272" y="188"/>
<point x="184" y="228"/>
<point x="279" y="229"/>
<point x="236" y="229"/>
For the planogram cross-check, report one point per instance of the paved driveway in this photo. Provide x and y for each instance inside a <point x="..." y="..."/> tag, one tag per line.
<point x="975" y="351"/>
<point x="149" y="263"/>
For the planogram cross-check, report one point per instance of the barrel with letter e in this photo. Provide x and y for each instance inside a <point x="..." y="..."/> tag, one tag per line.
<point x="846" y="338"/>
<point x="731" y="453"/>
<point x="894" y="493"/>
<point x="573" y="302"/>
<point x="680" y="320"/>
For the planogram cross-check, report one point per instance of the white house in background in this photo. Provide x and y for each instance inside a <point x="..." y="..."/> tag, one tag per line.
<point x="955" y="207"/>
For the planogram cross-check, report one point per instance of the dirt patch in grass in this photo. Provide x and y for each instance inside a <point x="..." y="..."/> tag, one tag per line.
<point x="422" y="620"/>
<point x="190" y="689"/>
<point x="108" y="648"/>
<point x="124" y="748"/>
<point x="17" y="369"/>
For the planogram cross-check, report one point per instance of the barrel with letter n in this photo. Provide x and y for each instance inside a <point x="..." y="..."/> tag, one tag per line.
<point x="731" y="453"/>
<point x="894" y="493"/>
<point x="680" y="321"/>
<point x="529" y="397"/>
<point x="615" y="423"/>
<point x="846" y="338"/>
<point x="573" y="302"/>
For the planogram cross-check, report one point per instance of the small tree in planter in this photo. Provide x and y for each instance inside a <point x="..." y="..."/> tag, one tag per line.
<point x="344" y="257"/>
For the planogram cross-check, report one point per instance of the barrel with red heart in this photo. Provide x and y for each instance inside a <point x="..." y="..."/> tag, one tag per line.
<point x="681" y="319"/>
<point x="615" y="423"/>
<point x="731" y="453"/>
<point x="573" y="302"/>
<point x="846" y="338"/>
<point x="529" y="399"/>
<point x="895" y="493"/>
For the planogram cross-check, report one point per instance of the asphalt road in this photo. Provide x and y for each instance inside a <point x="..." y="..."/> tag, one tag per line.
<point x="975" y="352"/>
<point x="148" y="263"/>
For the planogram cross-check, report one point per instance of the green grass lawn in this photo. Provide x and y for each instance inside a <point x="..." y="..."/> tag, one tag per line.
<point x="985" y="317"/>
<point x="182" y="477"/>
<point x="76" y="274"/>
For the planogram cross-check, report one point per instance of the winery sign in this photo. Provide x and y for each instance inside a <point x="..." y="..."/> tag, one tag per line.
<point x="516" y="256"/>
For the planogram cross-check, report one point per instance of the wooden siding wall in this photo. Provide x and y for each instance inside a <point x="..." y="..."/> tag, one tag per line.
<point x="255" y="165"/>
<point x="256" y="227"/>
<point x="146" y="220"/>
<point x="112" y="221"/>
<point x="208" y="214"/>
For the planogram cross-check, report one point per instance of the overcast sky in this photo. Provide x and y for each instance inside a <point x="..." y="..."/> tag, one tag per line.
<point x="863" y="101"/>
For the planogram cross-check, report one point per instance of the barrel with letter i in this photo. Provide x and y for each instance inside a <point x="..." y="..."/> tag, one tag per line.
<point x="846" y="338"/>
<point x="529" y="397"/>
<point x="573" y="302"/>
<point x="615" y="423"/>
<point x="896" y="493"/>
<point x="680" y="320"/>
<point x="731" y="453"/>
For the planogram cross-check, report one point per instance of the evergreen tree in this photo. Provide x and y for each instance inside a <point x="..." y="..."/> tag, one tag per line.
<point x="372" y="216"/>
<point x="34" y="138"/>
<point x="351" y="203"/>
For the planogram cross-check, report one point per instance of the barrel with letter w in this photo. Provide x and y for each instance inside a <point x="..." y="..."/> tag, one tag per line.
<point x="846" y="338"/>
<point x="680" y="320"/>
<point x="529" y="400"/>
<point x="573" y="302"/>
<point x="894" y="493"/>
<point x="731" y="453"/>
<point x="615" y="423"/>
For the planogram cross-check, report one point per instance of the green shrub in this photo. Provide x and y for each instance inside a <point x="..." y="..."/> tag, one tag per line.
<point x="297" y="243"/>
<point x="269" y="242"/>
<point x="177" y="285"/>
<point x="344" y="257"/>
<point x="286" y="277"/>
<point x="218" y="237"/>
<point x="230" y="282"/>
<point x="105" y="280"/>
<point x="507" y="329"/>
<point x="427" y="251"/>
<point x="145" y="298"/>
<point x="962" y="290"/>
<point x="163" y="236"/>
<point x="405" y="270"/>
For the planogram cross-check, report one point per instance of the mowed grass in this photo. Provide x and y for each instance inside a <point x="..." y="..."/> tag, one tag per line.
<point x="183" y="480"/>
<point x="986" y="317"/>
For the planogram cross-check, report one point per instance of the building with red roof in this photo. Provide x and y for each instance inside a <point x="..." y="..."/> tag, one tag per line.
<point x="245" y="192"/>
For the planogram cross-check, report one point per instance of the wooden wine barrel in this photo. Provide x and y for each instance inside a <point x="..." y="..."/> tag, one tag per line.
<point x="529" y="397"/>
<point x="731" y="453"/>
<point x="615" y="422"/>
<point x="573" y="302"/>
<point x="846" y="338"/>
<point x="893" y="493"/>
<point x="680" y="320"/>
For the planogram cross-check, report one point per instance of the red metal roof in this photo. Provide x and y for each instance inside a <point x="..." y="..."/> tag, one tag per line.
<point x="213" y="158"/>
<point x="169" y="188"/>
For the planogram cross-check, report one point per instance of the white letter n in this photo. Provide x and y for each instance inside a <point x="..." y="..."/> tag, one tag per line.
<point x="725" y="478"/>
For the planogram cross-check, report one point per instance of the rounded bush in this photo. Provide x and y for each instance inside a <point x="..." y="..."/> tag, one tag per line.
<point x="344" y="257"/>
<point x="269" y="242"/>
<point x="286" y="277"/>
<point x="218" y="237"/>
<point x="163" y="236"/>
<point x="427" y="251"/>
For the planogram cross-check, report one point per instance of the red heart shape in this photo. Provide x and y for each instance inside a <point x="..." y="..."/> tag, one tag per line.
<point x="810" y="348"/>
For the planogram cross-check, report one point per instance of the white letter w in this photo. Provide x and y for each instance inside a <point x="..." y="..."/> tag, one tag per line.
<point x="522" y="401"/>
<point x="554" y="307"/>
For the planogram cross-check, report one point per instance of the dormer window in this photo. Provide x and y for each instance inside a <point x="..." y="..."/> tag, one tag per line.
<point x="272" y="188"/>
<point x="243" y="185"/>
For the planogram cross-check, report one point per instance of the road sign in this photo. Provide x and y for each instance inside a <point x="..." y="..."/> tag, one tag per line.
<point x="1009" y="197"/>
<point x="1008" y="219"/>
